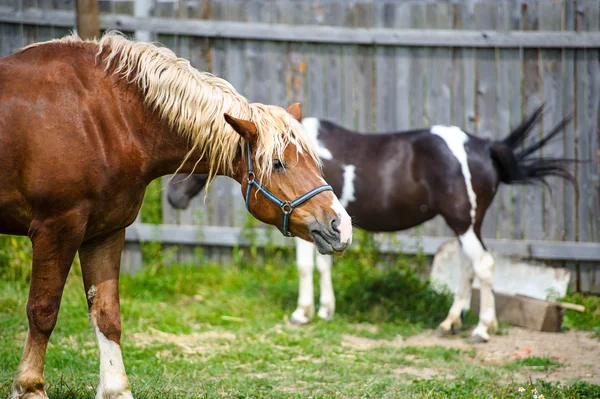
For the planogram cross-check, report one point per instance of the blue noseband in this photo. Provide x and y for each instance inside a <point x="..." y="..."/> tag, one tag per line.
<point x="286" y="206"/>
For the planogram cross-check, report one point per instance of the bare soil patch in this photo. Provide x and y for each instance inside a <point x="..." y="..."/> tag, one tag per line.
<point x="190" y="344"/>
<point x="577" y="351"/>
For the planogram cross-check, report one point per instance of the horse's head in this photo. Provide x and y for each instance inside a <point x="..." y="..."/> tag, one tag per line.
<point x="182" y="188"/>
<point x="279" y="188"/>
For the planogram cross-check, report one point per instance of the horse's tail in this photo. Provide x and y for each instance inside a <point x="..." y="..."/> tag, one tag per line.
<point x="517" y="166"/>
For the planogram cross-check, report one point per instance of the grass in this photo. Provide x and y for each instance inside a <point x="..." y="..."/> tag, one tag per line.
<point x="588" y="320"/>
<point x="214" y="332"/>
<point x="542" y="363"/>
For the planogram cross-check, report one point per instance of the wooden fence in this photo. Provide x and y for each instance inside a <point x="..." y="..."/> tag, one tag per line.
<point x="386" y="65"/>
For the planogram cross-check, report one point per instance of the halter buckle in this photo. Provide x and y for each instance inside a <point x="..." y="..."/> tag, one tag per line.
<point x="286" y="207"/>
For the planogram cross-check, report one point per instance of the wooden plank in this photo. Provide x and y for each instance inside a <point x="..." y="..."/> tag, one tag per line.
<point x="417" y="82"/>
<point x="525" y="312"/>
<point x="587" y="126"/>
<point x="314" y="34"/>
<point x="487" y="106"/>
<point x="275" y="54"/>
<point x="532" y="206"/>
<point x="552" y="81"/>
<point x="465" y="19"/>
<point x="588" y="104"/>
<point x="349" y="87"/>
<point x="231" y="236"/>
<point x="402" y="71"/>
<point x="364" y="71"/>
<point x="418" y="96"/>
<point x="509" y="114"/>
<point x="386" y="102"/>
<point x="438" y="83"/>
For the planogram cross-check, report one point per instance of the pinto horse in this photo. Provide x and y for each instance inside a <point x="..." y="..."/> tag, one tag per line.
<point x="395" y="181"/>
<point x="85" y="126"/>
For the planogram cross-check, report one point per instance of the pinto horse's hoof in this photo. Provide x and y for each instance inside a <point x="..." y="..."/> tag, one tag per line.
<point x="441" y="332"/>
<point x="298" y="318"/>
<point x="325" y="313"/>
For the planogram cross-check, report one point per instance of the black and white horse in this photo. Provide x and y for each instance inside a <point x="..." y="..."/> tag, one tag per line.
<point x="395" y="181"/>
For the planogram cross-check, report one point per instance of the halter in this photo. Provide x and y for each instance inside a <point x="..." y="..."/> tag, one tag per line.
<point x="286" y="206"/>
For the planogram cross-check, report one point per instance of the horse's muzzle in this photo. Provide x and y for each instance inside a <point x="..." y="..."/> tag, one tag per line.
<point x="327" y="237"/>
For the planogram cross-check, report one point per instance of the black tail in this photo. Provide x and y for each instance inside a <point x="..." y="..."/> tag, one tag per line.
<point x="518" y="167"/>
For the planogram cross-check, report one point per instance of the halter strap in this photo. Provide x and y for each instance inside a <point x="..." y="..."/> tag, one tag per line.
<point x="286" y="206"/>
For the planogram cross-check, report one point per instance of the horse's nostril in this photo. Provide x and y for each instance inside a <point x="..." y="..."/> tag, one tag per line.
<point x="334" y="223"/>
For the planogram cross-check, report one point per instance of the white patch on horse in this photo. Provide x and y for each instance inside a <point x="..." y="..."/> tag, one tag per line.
<point x="348" y="187"/>
<point x="455" y="139"/>
<point x="91" y="294"/>
<point x="311" y="126"/>
<point x="483" y="264"/>
<point x="305" y="262"/>
<point x="345" y="226"/>
<point x="113" y="380"/>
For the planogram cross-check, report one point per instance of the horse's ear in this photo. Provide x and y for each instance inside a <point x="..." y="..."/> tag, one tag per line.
<point x="295" y="111"/>
<point x="246" y="129"/>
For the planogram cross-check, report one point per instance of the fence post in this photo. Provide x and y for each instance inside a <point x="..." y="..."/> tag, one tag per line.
<point x="88" y="19"/>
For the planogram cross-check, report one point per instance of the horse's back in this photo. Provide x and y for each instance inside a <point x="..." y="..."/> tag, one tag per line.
<point x="63" y="133"/>
<point x="400" y="180"/>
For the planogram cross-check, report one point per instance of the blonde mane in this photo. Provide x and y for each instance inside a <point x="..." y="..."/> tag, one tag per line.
<point x="193" y="103"/>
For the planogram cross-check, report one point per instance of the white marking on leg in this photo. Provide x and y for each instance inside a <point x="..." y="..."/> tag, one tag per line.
<point x="327" y="297"/>
<point x="483" y="264"/>
<point x="305" y="256"/>
<point x="345" y="226"/>
<point x="113" y="380"/>
<point x="348" y="187"/>
<point x="462" y="298"/>
<point x="311" y="127"/>
<point x="456" y="139"/>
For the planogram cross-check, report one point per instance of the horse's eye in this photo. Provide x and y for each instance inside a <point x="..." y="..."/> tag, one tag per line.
<point x="277" y="164"/>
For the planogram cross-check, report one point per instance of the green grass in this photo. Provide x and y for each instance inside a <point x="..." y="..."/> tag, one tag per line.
<point x="588" y="320"/>
<point x="214" y="331"/>
<point x="542" y="363"/>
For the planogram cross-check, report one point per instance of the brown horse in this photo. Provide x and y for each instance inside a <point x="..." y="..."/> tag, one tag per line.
<point x="86" y="125"/>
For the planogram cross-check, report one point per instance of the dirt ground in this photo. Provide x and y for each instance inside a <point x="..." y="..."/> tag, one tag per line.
<point x="576" y="350"/>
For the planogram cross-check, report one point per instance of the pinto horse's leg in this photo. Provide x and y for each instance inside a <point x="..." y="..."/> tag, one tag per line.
<point x="327" y="297"/>
<point x="483" y="264"/>
<point x="100" y="265"/>
<point x="462" y="299"/>
<point x="55" y="243"/>
<point x="305" y="261"/>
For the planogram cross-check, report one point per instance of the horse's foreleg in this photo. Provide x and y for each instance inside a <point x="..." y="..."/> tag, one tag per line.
<point x="327" y="297"/>
<point x="462" y="299"/>
<point x="305" y="261"/>
<point x="483" y="264"/>
<point x="100" y="265"/>
<point x="54" y="247"/>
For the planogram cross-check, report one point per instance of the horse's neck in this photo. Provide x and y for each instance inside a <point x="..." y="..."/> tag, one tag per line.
<point x="168" y="151"/>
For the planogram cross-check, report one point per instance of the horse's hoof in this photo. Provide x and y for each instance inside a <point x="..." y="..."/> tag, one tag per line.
<point x="120" y="395"/>
<point x="30" y="395"/>
<point x="442" y="332"/>
<point x="325" y="314"/>
<point x="298" y="319"/>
